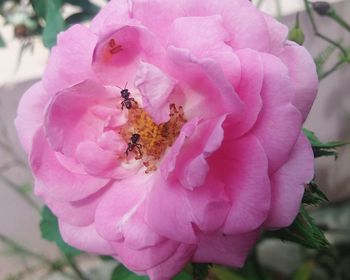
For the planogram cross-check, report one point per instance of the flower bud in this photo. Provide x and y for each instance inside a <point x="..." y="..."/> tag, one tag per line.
<point x="322" y="8"/>
<point x="296" y="34"/>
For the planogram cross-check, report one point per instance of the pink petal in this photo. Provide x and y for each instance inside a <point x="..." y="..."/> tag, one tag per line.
<point x="169" y="268"/>
<point x="155" y="87"/>
<point x="146" y="258"/>
<point x="117" y="209"/>
<point x="279" y="122"/>
<point x="277" y="32"/>
<point x="230" y="250"/>
<point x="191" y="165"/>
<point x="306" y="82"/>
<point x="210" y="205"/>
<point x="243" y="167"/>
<point x="117" y="11"/>
<point x="30" y="114"/>
<point x="77" y="213"/>
<point x="209" y="89"/>
<point x="70" y="117"/>
<point x="198" y="34"/>
<point x="118" y="54"/>
<point x="53" y="180"/>
<point x="85" y="239"/>
<point x="249" y="93"/>
<point x="174" y="221"/>
<point x="288" y="184"/>
<point x="70" y="61"/>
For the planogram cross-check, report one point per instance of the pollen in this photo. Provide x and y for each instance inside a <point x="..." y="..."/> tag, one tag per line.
<point x="154" y="138"/>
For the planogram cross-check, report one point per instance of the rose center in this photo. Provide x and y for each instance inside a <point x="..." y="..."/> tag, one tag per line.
<point x="148" y="140"/>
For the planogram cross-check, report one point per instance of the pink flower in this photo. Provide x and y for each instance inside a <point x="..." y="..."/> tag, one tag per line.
<point x="207" y="150"/>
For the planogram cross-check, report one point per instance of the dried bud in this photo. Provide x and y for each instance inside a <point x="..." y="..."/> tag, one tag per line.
<point x="322" y="8"/>
<point x="21" y="31"/>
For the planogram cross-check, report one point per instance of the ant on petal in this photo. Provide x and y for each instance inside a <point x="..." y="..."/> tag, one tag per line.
<point x="125" y="94"/>
<point x="134" y="144"/>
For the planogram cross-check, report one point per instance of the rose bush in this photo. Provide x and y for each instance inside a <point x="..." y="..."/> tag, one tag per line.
<point x="203" y="151"/>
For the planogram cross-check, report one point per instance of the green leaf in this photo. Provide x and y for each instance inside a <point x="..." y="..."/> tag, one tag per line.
<point x="78" y="17"/>
<point x="303" y="231"/>
<point x="183" y="276"/>
<point x="49" y="231"/>
<point x="40" y="6"/>
<point x="200" y="270"/>
<point x="122" y="273"/>
<point x="107" y="258"/>
<point x="85" y="5"/>
<point x="54" y="24"/>
<point x="313" y="195"/>
<point x="2" y="42"/>
<point x="322" y="58"/>
<point x="323" y="149"/>
<point x="305" y="271"/>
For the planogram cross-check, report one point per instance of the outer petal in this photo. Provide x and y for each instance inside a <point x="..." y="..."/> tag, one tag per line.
<point x="210" y="205"/>
<point x="243" y="167"/>
<point x="167" y="269"/>
<point x="279" y="122"/>
<point x="116" y="11"/>
<point x="120" y="214"/>
<point x="53" y="180"/>
<point x="85" y="238"/>
<point x="230" y="250"/>
<point x="77" y="213"/>
<point x="30" y="114"/>
<point x="175" y="211"/>
<point x="70" y="61"/>
<point x="288" y="185"/>
<point x="296" y="59"/>
<point x="147" y="258"/>
<point x="249" y="90"/>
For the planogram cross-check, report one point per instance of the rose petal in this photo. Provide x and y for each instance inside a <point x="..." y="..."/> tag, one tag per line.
<point x="30" y="114"/>
<point x="288" y="185"/>
<point x="53" y="180"/>
<point x="70" y="61"/>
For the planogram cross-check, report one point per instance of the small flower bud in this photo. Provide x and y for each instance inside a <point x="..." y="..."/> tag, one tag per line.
<point x="296" y="34"/>
<point x="322" y="8"/>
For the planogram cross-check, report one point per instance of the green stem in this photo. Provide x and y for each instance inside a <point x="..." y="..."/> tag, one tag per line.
<point x="334" y="15"/>
<point x="332" y="69"/>
<point x="318" y="34"/>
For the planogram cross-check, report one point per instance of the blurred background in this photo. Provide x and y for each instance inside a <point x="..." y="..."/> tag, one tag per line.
<point x="27" y="31"/>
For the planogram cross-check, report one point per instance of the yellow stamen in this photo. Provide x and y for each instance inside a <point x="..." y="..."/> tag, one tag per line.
<point x="154" y="138"/>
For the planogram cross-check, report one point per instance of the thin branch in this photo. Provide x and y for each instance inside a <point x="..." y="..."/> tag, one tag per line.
<point x="13" y="186"/>
<point x="332" y="69"/>
<point x="318" y="34"/>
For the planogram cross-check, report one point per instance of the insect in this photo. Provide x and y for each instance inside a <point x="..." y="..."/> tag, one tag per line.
<point x="134" y="139"/>
<point x="127" y="102"/>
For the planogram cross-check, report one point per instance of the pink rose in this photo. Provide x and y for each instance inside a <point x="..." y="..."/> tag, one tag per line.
<point x="207" y="150"/>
